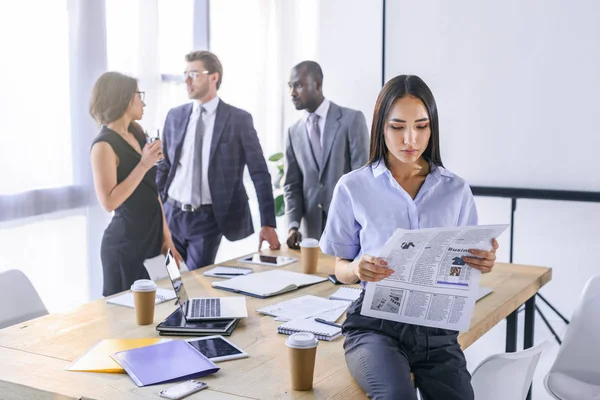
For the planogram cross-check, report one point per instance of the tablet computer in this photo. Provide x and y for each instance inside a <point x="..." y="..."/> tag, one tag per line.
<point x="217" y="348"/>
<point x="177" y="323"/>
<point x="265" y="259"/>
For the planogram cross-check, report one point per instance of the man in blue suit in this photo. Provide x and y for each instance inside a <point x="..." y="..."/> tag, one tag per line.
<point x="206" y="145"/>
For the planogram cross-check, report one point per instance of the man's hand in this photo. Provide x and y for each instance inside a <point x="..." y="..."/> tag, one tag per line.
<point x="294" y="239"/>
<point x="268" y="233"/>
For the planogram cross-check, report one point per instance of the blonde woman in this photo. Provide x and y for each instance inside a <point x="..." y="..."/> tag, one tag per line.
<point x="123" y="165"/>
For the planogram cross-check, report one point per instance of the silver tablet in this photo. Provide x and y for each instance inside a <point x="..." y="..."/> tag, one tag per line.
<point x="217" y="348"/>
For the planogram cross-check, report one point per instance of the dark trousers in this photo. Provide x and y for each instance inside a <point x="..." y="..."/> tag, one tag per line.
<point x="196" y="235"/>
<point x="381" y="354"/>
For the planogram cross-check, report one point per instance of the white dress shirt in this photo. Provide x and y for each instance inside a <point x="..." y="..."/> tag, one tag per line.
<point x="321" y="111"/>
<point x="181" y="187"/>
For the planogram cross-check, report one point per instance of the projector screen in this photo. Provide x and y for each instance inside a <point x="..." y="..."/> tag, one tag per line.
<point x="517" y="84"/>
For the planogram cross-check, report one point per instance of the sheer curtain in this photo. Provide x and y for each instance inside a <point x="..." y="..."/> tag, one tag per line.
<point x="148" y="39"/>
<point x="34" y="100"/>
<point x="43" y="201"/>
<point x="248" y="43"/>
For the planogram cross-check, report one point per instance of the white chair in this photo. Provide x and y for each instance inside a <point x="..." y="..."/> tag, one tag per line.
<point x="507" y="375"/>
<point x="19" y="301"/>
<point x="575" y="374"/>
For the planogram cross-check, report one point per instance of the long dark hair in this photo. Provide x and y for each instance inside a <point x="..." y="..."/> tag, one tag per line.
<point x="398" y="87"/>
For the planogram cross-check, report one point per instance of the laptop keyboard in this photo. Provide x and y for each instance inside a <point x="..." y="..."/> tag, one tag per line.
<point x="206" y="308"/>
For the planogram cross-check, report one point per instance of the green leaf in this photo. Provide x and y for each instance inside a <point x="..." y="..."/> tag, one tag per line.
<point x="276" y="157"/>
<point x="279" y="206"/>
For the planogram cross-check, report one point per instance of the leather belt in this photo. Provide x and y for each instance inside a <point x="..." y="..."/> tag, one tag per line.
<point x="189" y="207"/>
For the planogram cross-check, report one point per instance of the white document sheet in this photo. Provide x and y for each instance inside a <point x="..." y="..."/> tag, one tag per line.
<point x="431" y="284"/>
<point x="304" y="307"/>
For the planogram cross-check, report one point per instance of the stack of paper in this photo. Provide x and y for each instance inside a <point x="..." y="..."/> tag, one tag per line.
<point x="305" y="306"/>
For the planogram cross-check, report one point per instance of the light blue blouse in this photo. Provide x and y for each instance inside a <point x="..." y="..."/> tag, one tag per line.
<point x="368" y="205"/>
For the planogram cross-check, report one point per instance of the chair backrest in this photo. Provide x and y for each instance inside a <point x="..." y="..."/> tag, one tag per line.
<point x="579" y="353"/>
<point x="507" y="375"/>
<point x="19" y="301"/>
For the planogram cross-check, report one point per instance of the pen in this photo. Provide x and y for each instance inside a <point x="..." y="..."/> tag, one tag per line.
<point x="327" y="322"/>
<point x="228" y="273"/>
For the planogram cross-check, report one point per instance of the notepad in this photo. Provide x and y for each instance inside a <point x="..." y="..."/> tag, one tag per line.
<point x="98" y="357"/>
<point x="223" y="271"/>
<point x="126" y="299"/>
<point x="346" y="293"/>
<point x="267" y="284"/>
<point x="321" y="331"/>
<point x="165" y="362"/>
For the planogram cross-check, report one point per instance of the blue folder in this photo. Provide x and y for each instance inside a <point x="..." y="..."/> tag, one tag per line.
<point x="164" y="362"/>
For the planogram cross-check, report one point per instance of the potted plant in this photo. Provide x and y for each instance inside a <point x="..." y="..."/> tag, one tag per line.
<point x="277" y="160"/>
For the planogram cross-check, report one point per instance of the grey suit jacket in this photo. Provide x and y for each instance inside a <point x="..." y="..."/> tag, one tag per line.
<point x="308" y="189"/>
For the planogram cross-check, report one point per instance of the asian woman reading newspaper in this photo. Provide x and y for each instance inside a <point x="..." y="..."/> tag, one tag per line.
<point x="403" y="186"/>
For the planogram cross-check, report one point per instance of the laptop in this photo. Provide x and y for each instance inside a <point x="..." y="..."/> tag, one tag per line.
<point x="199" y="309"/>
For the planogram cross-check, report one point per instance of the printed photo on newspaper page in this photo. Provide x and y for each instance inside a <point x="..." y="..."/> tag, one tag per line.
<point x="431" y="284"/>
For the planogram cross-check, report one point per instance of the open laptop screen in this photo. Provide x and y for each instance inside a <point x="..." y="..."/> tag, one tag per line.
<point x="175" y="277"/>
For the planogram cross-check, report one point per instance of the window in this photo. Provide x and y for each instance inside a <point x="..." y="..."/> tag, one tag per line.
<point x="175" y="34"/>
<point x="148" y="39"/>
<point x="36" y="146"/>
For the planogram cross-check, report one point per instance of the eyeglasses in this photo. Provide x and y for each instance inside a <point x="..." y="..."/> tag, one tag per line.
<point x="142" y="95"/>
<point x="193" y="74"/>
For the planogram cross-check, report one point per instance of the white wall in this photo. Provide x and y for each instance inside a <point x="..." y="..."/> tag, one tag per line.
<point x="516" y="85"/>
<point x="515" y="80"/>
<point x="344" y="37"/>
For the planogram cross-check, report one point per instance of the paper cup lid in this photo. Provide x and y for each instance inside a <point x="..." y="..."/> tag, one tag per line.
<point x="143" y="285"/>
<point x="309" y="243"/>
<point x="302" y="340"/>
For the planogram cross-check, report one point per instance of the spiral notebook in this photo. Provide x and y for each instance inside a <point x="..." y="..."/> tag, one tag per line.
<point x="321" y="331"/>
<point x="346" y="293"/>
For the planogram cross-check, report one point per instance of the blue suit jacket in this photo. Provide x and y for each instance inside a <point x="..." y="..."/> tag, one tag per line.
<point x="234" y="145"/>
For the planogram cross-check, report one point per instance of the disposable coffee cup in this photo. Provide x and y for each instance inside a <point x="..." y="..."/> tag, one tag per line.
<point x="309" y="255"/>
<point x="302" y="349"/>
<point x="144" y="298"/>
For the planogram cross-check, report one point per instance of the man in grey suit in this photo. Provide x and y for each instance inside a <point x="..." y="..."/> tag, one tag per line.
<point x="326" y="143"/>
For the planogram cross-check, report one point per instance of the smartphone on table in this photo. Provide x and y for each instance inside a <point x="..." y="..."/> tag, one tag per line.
<point x="183" y="389"/>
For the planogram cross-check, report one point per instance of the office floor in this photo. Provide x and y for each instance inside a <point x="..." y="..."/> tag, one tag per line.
<point x="494" y="341"/>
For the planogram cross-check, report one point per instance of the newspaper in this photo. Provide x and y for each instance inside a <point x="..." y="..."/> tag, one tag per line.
<point x="431" y="284"/>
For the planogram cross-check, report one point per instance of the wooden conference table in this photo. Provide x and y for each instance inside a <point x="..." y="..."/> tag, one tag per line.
<point x="34" y="354"/>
